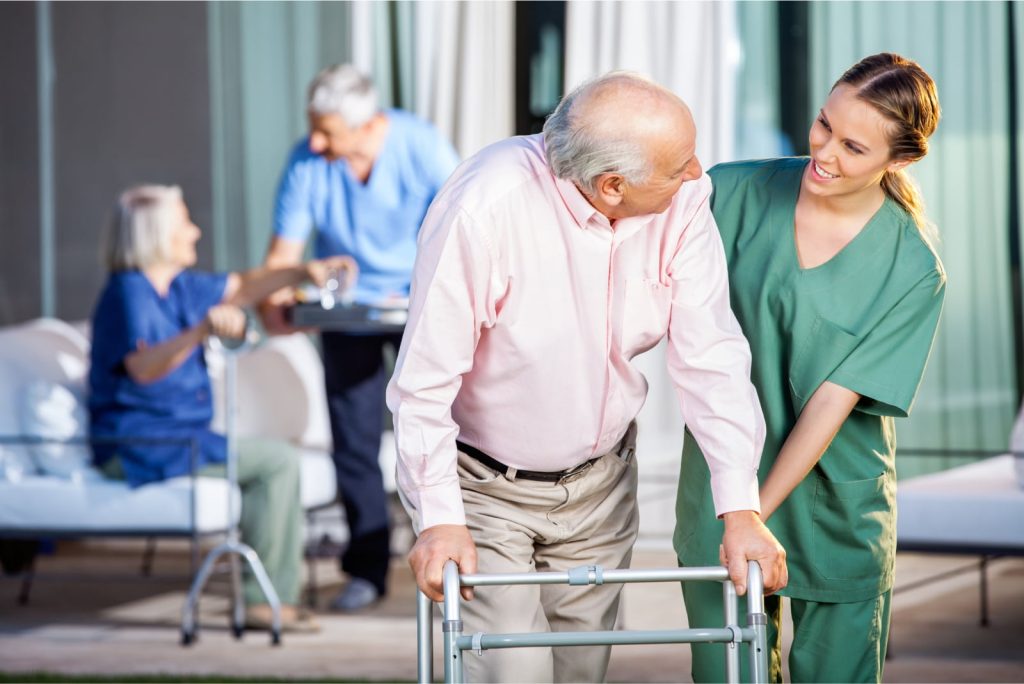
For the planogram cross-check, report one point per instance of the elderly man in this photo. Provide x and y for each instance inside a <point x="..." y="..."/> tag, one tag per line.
<point x="363" y="179"/>
<point x="546" y="264"/>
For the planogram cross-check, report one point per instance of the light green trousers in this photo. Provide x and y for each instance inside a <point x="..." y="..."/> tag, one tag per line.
<point x="832" y="642"/>
<point x="271" y="516"/>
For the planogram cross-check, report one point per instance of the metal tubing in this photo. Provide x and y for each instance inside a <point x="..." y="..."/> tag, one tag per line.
<point x="263" y="579"/>
<point x="230" y="387"/>
<point x="713" y="573"/>
<point x="424" y="639"/>
<point x="614" y="638"/>
<point x="732" y="649"/>
<point x="758" y="621"/>
<point x="755" y="633"/>
<point x="452" y="625"/>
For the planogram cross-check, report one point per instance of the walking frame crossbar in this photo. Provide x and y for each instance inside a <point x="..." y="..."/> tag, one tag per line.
<point x="732" y="634"/>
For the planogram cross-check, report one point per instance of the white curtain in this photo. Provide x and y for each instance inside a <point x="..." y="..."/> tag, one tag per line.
<point x="452" y="63"/>
<point x="691" y="48"/>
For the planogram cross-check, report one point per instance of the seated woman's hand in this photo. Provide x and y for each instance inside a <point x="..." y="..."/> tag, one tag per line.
<point x="226" y="320"/>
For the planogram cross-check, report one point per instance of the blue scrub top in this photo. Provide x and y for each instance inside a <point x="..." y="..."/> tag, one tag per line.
<point x="178" y="406"/>
<point x="376" y="223"/>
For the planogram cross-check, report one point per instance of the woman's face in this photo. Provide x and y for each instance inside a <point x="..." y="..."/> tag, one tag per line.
<point x="184" y="237"/>
<point x="849" y="147"/>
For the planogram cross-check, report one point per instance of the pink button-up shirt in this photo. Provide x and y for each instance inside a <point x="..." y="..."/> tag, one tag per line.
<point x="527" y="305"/>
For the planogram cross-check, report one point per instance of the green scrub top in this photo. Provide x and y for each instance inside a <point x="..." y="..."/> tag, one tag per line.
<point x="864" y="320"/>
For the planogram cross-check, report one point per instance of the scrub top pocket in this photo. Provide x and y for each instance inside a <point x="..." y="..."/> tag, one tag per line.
<point x="853" y="533"/>
<point x="818" y="354"/>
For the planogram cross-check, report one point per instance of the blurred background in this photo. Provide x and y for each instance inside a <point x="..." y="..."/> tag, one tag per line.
<point x="210" y="95"/>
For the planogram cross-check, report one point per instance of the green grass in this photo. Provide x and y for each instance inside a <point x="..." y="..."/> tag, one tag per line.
<point x="47" y="677"/>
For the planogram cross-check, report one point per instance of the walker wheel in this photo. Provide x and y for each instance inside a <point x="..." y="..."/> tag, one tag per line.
<point x="237" y="630"/>
<point x="187" y="638"/>
<point x="275" y="638"/>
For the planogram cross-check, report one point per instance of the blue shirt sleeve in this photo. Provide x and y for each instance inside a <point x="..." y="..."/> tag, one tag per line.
<point x="293" y="215"/>
<point x="197" y="293"/>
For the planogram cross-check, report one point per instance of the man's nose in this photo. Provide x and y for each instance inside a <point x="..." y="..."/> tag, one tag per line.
<point x="695" y="169"/>
<point x="317" y="142"/>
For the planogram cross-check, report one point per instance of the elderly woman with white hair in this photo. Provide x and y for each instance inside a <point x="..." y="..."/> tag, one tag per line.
<point x="149" y="378"/>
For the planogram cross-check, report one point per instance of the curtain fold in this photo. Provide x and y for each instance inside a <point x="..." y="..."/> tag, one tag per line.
<point x="691" y="47"/>
<point x="968" y="398"/>
<point x="451" y="63"/>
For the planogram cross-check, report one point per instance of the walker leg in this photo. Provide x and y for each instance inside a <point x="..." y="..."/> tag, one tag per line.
<point x="732" y="650"/>
<point x="238" y="601"/>
<point x="424" y="639"/>
<point x="256" y="566"/>
<point x="452" y="625"/>
<point x="757" y="620"/>
<point x="189" y="623"/>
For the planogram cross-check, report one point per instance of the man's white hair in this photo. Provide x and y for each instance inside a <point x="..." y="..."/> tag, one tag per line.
<point x="345" y="91"/>
<point x="580" y="149"/>
<point x="140" y="231"/>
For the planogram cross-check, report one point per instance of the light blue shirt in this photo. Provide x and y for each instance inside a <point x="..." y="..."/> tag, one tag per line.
<point x="376" y="223"/>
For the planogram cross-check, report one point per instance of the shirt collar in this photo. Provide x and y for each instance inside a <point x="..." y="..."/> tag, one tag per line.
<point x="582" y="211"/>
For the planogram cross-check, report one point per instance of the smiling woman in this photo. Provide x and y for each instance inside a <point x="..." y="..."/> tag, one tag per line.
<point x="835" y="284"/>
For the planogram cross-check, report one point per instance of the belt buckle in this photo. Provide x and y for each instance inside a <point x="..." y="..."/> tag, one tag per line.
<point x="576" y="473"/>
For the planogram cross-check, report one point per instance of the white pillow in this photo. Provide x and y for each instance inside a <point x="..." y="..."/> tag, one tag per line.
<point x="15" y="463"/>
<point x="1017" y="445"/>
<point x="51" y="410"/>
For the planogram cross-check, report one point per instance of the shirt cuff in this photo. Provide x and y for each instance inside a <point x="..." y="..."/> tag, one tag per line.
<point x="441" y="505"/>
<point x="735" y="490"/>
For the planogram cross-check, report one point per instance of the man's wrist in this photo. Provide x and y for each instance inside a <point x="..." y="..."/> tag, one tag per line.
<point x="744" y="517"/>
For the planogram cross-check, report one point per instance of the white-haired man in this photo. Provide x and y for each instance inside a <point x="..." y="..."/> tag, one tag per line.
<point x="363" y="179"/>
<point x="546" y="264"/>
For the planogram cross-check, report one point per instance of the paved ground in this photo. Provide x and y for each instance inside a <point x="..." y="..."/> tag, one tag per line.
<point x="106" y="620"/>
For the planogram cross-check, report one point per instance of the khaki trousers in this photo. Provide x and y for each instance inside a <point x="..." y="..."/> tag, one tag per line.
<point x="524" y="526"/>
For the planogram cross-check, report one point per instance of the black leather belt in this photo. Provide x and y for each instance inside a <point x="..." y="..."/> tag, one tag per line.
<point x="538" y="475"/>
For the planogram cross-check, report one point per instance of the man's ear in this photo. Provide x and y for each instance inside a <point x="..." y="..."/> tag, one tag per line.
<point x="610" y="188"/>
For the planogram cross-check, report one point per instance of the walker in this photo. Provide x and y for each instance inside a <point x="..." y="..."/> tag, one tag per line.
<point x="232" y="546"/>
<point x="455" y="642"/>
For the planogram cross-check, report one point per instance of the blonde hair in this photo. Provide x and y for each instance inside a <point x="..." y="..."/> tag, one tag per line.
<point x="906" y="96"/>
<point x="141" y="227"/>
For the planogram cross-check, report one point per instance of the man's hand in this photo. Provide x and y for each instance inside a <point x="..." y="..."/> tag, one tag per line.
<point x="272" y="312"/>
<point x="746" y="539"/>
<point x="432" y="549"/>
<point x="344" y="268"/>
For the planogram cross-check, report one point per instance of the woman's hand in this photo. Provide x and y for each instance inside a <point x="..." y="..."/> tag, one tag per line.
<point x="226" y="320"/>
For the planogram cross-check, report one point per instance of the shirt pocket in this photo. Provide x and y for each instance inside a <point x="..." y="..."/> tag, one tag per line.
<point x="853" y="534"/>
<point x="645" y="315"/>
<point x="817" y="355"/>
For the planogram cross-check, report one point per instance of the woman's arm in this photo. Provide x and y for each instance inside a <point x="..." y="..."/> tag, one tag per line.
<point x="151" y="363"/>
<point x="817" y="425"/>
<point x="256" y="284"/>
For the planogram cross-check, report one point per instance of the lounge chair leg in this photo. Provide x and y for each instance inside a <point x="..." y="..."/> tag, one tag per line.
<point x="983" y="570"/>
<point x="26" y="584"/>
<point x="146" y="570"/>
